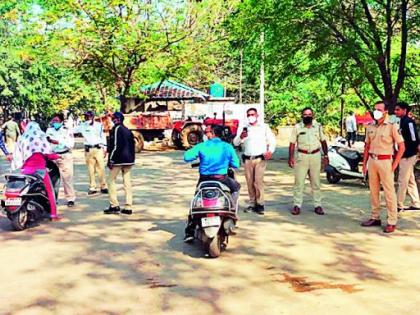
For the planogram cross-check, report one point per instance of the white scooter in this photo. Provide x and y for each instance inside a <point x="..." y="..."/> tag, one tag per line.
<point x="344" y="163"/>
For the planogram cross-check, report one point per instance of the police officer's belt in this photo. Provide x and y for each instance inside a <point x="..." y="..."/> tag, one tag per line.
<point x="253" y="157"/>
<point x="309" y="152"/>
<point x="380" y="156"/>
<point x="96" y="146"/>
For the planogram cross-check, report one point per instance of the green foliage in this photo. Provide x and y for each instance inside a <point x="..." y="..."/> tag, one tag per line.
<point x="321" y="52"/>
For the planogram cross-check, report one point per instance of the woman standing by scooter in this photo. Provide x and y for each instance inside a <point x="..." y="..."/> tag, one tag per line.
<point x="30" y="155"/>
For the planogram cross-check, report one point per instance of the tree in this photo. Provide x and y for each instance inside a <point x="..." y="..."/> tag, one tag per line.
<point x="364" y="41"/>
<point x="121" y="45"/>
<point x="31" y="76"/>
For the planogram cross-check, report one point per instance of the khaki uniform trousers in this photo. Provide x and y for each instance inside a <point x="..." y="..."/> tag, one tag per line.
<point x="254" y="174"/>
<point x="10" y="144"/>
<point x="407" y="183"/>
<point x="305" y="163"/>
<point x="112" y="186"/>
<point x="380" y="172"/>
<point x="65" y="165"/>
<point x="96" y="163"/>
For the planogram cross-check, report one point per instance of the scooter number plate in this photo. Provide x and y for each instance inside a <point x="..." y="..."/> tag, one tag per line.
<point x="13" y="202"/>
<point x="210" y="221"/>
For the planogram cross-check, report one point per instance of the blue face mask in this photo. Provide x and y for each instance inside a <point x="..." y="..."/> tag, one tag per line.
<point x="57" y="125"/>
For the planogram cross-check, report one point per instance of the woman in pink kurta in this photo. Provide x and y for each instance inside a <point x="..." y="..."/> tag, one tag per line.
<point x="30" y="155"/>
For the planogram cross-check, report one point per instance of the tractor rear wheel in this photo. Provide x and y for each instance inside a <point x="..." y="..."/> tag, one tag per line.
<point x="191" y="135"/>
<point x="138" y="141"/>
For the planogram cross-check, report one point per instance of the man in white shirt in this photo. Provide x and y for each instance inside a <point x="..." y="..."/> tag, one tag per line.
<point x="259" y="145"/>
<point x="95" y="151"/>
<point x="351" y="128"/>
<point x="62" y="142"/>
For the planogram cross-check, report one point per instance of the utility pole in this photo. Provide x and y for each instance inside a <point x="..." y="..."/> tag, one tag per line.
<point x="262" y="74"/>
<point x="240" y="75"/>
<point x="342" y="110"/>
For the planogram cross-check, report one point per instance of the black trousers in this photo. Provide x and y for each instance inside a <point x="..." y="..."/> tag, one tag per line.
<point x="351" y="136"/>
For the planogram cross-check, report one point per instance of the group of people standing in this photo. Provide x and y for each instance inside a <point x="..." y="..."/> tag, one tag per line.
<point x="34" y="146"/>
<point x="387" y="147"/>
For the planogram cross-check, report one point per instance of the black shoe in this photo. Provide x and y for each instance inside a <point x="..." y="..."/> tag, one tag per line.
<point x="412" y="208"/>
<point x="70" y="204"/>
<point x="127" y="211"/>
<point x="92" y="192"/>
<point x="104" y="190"/>
<point x="249" y="209"/>
<point x="259" y="209"/>
<point x="112" y="210"/>
<point x="188" y="238"/>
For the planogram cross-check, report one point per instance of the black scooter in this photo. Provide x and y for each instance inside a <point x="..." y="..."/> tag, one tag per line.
<point x="26" y="199"/>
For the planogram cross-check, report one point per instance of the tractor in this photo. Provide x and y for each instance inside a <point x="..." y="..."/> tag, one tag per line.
<point x="187" y="133"/>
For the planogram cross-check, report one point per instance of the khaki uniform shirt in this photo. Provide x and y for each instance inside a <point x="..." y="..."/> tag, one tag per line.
<point x="382" y="138"/>
<point x="11" y="129"/>
<point x="307" y="138"/>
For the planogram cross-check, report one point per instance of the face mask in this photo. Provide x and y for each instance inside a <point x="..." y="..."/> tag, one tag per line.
<point x="57" y="125"/>
<point x="377" y="114"/>
<point x="252" y="119"/>
<point x="307" y="120"/>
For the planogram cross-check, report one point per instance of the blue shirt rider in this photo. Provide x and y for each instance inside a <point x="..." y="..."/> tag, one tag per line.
<point x="216" y="156"/>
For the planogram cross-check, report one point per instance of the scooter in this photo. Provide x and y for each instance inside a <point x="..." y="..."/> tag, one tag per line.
<point x="344" y="163"/>
<point x="213" y="211"/>
<point x="26" y="200"/>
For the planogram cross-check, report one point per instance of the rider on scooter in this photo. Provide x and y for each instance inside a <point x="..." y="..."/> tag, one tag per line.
<point x="216" y="156"/>
<point x="29" y="156"/>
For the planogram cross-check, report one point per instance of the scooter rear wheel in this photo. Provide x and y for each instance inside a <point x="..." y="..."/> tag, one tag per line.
<point x="20" y="220"/>
<point x="215" y="246"/>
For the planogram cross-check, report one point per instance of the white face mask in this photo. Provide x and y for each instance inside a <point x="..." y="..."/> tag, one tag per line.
<point x="377" y="114"/>
<point x="252" y="119"/>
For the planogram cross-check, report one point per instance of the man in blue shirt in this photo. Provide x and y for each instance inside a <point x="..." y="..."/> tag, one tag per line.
<point x="216" y="156"/>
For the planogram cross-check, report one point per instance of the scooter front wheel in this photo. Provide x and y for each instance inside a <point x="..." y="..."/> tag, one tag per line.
<point x="19" y="220"/>
<point x="215" y="246"/>
<point x="333" y="177"/>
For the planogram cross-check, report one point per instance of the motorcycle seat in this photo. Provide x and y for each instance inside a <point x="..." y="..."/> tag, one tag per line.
<point x="19" y="177"/>
<point x="349" y="154"/>
<point x="213" y="184"/>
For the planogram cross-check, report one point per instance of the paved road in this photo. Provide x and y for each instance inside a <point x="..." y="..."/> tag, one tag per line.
<point x="91" y="263"/>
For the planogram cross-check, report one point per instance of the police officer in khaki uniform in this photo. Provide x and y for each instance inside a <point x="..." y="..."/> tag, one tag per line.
<point x="379" y="149"/>
<point x="95" y="151"/>
<point x="309" y="138"/>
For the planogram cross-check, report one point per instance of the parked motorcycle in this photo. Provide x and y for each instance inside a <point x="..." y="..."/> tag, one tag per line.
<point x="26" y="200"/>
<point x="343" y="164"/>
<point x="213" y="211"/>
